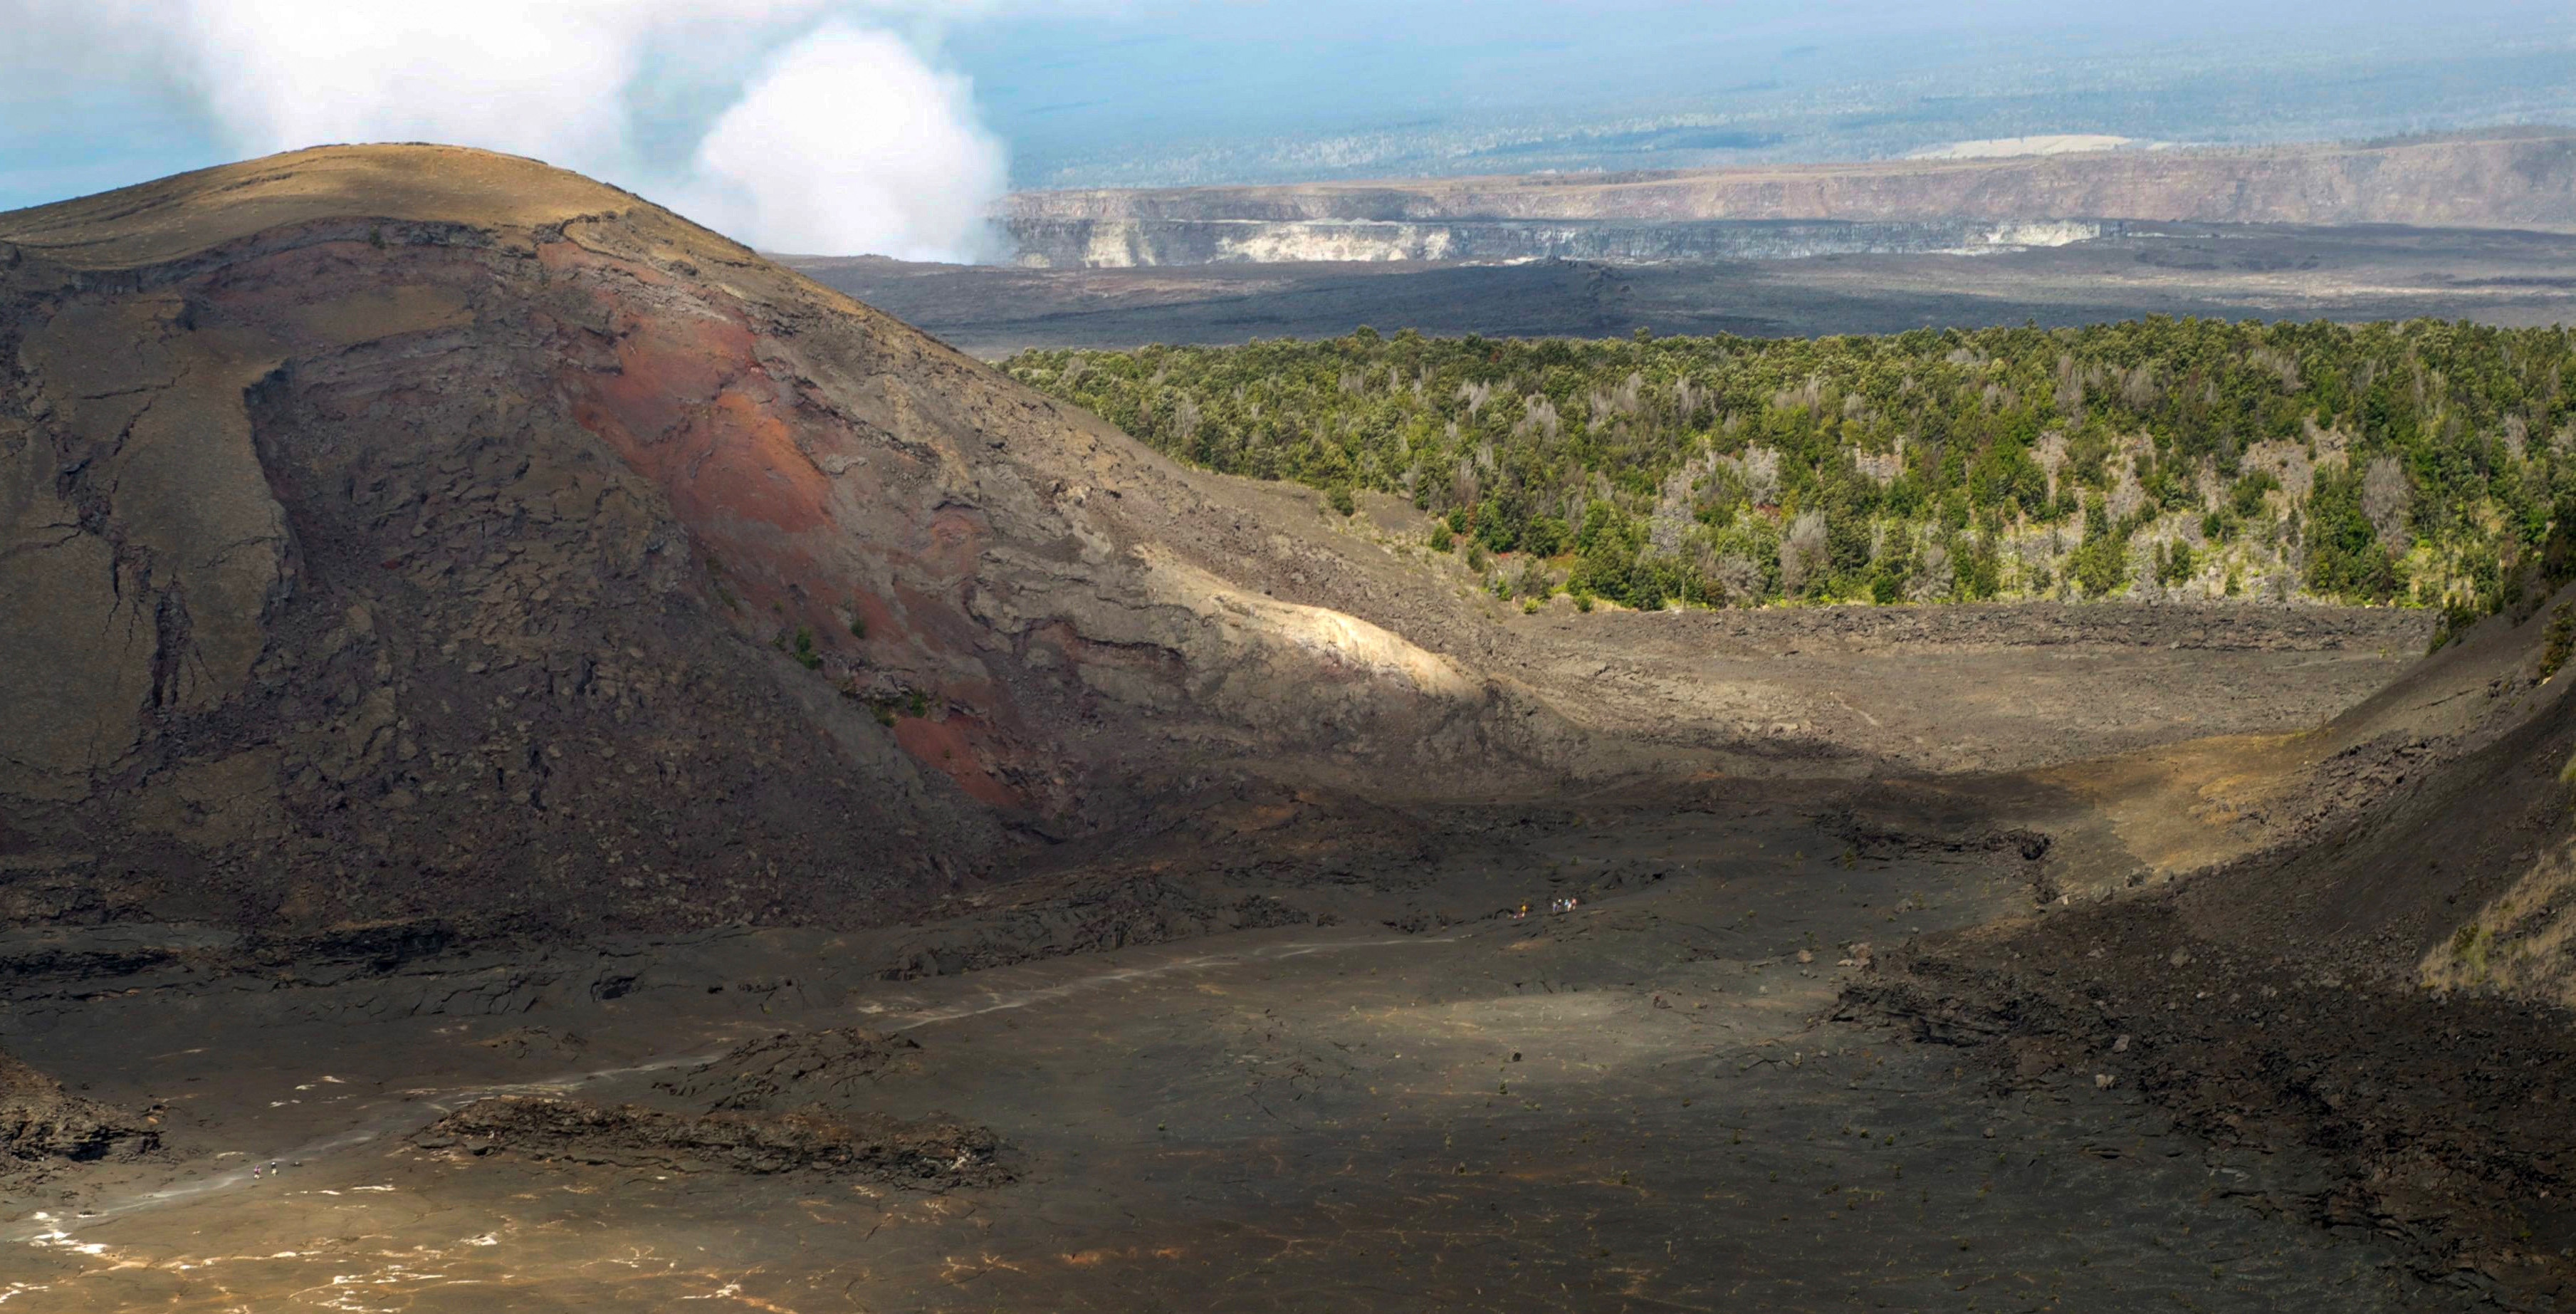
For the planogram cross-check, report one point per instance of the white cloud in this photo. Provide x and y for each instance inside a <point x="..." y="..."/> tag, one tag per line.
<point x="848" y="139"/>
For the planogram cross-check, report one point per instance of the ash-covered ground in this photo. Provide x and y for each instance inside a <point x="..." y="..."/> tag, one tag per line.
<point x="1306" y="1053"/>
<point x="1432" y="1102"/>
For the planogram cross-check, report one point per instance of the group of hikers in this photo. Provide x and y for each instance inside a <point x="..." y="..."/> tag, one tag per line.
<point x="1564" y="905"/>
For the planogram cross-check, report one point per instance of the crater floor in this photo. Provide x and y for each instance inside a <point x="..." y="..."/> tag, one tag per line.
<point x="1639" y="1104"/>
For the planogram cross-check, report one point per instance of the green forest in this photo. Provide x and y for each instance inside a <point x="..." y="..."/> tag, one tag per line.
<point x="2421" y="463"/>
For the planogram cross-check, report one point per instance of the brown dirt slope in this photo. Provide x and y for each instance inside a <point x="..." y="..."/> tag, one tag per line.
<point x="395" y="532"/>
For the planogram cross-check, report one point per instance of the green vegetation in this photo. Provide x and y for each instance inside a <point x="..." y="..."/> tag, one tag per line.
<point x="2425" y="462"/>
<point x="2561" y="639"/>
<point x="2469" y="951"/>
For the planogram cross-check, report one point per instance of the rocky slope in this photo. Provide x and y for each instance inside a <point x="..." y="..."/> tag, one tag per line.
<point x="45" y="1128"/>
<point x="792" y="1069"/>
<point x="2357" y="953"/>
<point x="398" y="532"/>
<point x="2504" y="179"/>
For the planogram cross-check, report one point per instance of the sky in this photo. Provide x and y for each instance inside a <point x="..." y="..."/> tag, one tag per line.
<point x="892" y="126"/>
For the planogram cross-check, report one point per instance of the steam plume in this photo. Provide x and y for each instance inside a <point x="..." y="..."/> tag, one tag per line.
<point x="792" y="162"/>
<point x="843" y="138"/>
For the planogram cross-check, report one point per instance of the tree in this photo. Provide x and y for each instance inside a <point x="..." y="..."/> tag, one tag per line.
<point x="1802" y="553"/>
<point x="2100" y="564"/>
<point x="2345" y="557"/>
<point x="1654" y="461"/>
<point x="2385" y="499"/>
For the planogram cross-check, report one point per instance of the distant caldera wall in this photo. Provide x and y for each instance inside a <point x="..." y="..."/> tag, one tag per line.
<point x="2516" y="178"/>
<point x="1117" y="243"/>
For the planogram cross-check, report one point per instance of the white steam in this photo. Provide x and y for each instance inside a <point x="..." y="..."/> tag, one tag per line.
<point x="844" y="139"/>
<point x="847" y="132"/>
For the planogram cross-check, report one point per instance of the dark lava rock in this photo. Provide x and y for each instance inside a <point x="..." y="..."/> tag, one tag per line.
<point x="43" y="1126"/>
<point x="932" y="1154"/>
<point x="792" y="1069"/>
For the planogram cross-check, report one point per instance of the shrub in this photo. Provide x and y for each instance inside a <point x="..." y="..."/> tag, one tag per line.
<point x="2174" y="564"/>
<point x="2246" y="498"/>
<point x="2457" y="617"/>
<point x="2562" y="637"/>
<point x="2097" y="565"/>
<point x="1536" y="581"/>
<point x="2469" y="950"/>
